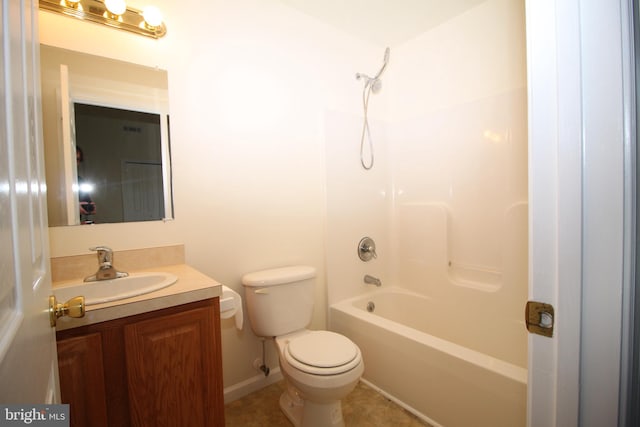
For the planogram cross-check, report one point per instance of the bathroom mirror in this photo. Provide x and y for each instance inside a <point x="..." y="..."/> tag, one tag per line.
<point x="106" y="138"/>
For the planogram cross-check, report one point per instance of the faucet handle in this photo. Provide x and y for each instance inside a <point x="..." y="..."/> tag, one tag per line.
<point x="105" y="254"/>
<point x="367" y="249"/>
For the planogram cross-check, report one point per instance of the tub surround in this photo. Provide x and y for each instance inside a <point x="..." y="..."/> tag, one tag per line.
<point x="191" y="286"/>
<point x="447" y="204"/>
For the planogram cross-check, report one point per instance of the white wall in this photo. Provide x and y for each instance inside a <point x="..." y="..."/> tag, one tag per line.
<point x="249" y="84"/>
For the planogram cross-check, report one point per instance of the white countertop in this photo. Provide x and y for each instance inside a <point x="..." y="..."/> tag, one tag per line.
<point x="191" y="286"/>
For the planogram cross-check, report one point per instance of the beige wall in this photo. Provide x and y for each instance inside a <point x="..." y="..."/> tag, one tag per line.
<point x="249" y="84"/>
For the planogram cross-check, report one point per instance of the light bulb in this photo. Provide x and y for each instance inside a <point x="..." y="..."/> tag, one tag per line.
<point x="117" y="7"/>
<point x="152" y="16"/>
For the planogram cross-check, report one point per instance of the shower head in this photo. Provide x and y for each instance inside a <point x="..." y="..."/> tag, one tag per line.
<point x="376" y="85"/>
<point x="384" y="64"/>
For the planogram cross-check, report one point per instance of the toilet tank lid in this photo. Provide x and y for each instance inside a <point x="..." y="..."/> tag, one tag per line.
<point x="278" y="276"/>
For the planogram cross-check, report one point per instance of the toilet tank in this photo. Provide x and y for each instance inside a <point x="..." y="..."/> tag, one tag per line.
<point x="279" y="300"/>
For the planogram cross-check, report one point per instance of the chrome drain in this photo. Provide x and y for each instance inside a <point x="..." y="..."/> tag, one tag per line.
<point x="371" y="306"/>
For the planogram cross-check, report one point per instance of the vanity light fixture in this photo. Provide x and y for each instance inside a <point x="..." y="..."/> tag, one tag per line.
<point x="113" y="13"/>
<point x="75" y="4"/>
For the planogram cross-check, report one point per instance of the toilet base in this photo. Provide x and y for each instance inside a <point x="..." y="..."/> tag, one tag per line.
<point x="308" y="414"/>
<point x="291" y="409"/>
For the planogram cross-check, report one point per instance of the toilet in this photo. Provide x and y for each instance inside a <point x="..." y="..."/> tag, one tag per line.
<point x="319" y="367"/>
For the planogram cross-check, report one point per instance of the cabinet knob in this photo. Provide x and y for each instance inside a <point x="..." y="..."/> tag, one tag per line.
<point x="72" y="308"/>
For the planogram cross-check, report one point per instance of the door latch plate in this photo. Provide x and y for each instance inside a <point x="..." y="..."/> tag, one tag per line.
<point x="539" y="318"/>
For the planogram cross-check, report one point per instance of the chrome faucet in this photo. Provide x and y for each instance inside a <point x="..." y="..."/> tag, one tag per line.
<point x="372" y="280"/>
<point x="106" y="270"/>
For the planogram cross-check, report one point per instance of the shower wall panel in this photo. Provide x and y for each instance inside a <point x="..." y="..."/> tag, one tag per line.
<point x="460" y="184"/>
<point x="358" y="204"/>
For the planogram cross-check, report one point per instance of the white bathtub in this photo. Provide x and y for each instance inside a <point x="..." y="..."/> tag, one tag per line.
<point x="443" y="368"/>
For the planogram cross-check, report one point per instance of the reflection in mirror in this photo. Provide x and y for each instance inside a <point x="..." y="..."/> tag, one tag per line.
<point x="119" y="164"/>
<point x="106" y="135"/>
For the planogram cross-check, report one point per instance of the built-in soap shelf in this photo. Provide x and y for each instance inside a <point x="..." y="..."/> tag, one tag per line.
<point x="426" y="233"/>
<point x="475" y="277"/>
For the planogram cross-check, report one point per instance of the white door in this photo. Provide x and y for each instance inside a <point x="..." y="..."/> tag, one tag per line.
<point x="28" y="363"/>
<point x="577" y="55"/>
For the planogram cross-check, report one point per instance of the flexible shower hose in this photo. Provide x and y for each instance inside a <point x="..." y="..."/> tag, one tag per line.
<point x="366" y="92"/>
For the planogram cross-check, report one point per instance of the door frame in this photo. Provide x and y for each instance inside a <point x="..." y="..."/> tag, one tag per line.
<point x="580" y="126"/>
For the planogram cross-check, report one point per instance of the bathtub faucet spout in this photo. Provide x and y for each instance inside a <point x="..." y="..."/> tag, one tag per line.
<point x="372" y="280"/>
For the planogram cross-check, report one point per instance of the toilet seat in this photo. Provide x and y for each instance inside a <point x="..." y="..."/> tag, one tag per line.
<point x="322" y="353"/>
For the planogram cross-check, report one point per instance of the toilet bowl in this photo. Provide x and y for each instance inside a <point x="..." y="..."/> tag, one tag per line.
<point x="319" y="367"/>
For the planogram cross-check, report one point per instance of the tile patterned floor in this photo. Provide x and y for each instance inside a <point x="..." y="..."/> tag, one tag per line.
<point x="363" y="407"/>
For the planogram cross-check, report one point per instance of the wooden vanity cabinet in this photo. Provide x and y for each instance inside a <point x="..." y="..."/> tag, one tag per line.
<point x="162" y="368"/>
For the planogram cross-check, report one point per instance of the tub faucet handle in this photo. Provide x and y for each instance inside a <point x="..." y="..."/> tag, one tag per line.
<point x="367" y="249"/>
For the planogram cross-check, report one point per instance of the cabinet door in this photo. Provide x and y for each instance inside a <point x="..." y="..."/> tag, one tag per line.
<point x="171" y="365"/>
<point x="82" y="379"/>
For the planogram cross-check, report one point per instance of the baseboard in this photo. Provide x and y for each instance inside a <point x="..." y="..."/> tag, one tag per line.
<point x="400" y="403"/>
<point x="257" y="382"/>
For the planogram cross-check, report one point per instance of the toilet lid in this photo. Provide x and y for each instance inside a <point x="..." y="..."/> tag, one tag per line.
<point x="323" y="353"/>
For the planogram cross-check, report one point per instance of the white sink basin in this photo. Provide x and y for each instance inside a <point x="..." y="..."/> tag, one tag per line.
<point x="115" y="289"/>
